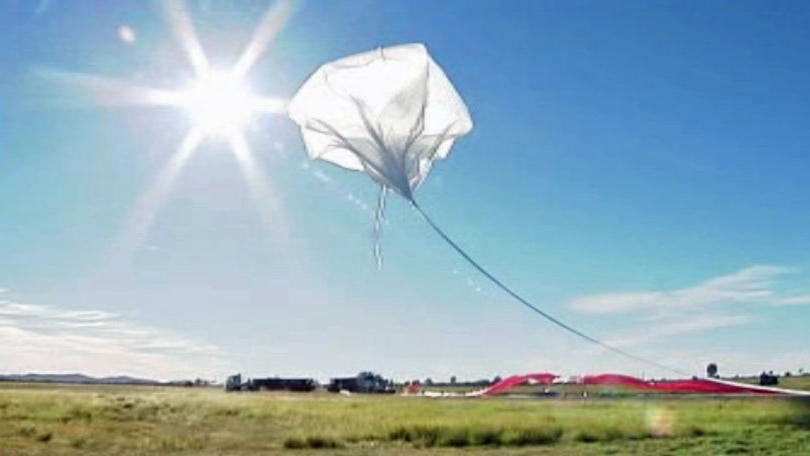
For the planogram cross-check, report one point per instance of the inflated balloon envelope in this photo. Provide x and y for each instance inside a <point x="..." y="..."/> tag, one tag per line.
<point x="392" y="112"/>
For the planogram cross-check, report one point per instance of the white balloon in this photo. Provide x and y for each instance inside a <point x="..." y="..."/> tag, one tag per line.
<point x="390" y="112"/>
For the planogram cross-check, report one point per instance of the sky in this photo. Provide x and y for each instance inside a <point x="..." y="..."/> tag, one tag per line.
<point x="636" y="169"/>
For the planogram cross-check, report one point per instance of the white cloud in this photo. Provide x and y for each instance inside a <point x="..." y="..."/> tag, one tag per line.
<point x="750" y="285"/>
<point x="692" y="324"/>
<point x="711" y="304"/>
<point x="794" y="300"/>
<point x="49" y="339"/>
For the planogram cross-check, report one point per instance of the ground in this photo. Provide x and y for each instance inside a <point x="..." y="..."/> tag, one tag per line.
<point x="84" y="419"/>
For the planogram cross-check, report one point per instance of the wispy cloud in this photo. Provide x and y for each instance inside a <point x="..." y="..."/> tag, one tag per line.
<point x="794" y="300"/>
<point x="750" y="285"/>
<point x="49" y="339"/>
<point x="712" y="304"/>
<point x="687" y="325"/>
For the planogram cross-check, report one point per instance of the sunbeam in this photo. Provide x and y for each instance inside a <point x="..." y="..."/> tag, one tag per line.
<point x="270" y="105"/>
<point x="183" y="29"/>
<point x="146" y="209"/>
<point x="272" y="24"/>
<point x="218" y="103"/>
<point x="89" y="90"/>
<point x="264" y="197"/>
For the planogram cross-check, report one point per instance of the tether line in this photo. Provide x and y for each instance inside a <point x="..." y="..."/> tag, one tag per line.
<point x="531" y="306"/>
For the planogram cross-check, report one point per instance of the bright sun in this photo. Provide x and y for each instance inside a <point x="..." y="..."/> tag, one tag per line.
<point x="219" y="104"/>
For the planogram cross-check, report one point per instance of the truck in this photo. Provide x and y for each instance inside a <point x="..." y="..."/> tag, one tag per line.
<point x="364" y="382"/>
<point x="235" y="383"/>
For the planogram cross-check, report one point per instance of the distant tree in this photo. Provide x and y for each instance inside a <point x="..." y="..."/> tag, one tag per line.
<point x="711" y="370"/>
<point x="428" y="381"/>
<point x="787" y="374"/>
<point x="453" y="380"/>
<point x="497" y="379"/>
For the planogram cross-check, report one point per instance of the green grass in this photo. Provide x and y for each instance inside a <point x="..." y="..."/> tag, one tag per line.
<point x="84" y="420"/>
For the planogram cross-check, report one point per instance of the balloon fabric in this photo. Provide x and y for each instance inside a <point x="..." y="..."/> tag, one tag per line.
<point x="390" y="112"/>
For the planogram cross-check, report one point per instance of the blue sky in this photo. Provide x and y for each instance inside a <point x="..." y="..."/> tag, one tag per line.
<point x="637" y="169"/>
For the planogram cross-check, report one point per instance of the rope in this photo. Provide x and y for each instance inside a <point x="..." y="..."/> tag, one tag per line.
<point x="379" y="219"/>
<point x="531" y="306"/>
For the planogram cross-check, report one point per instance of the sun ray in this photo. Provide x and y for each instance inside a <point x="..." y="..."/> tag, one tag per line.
<point x="264" y="196"/>
<point x="90" y="90"/>
<point x="149" y="204"/>
<point x="269" y="105"/>
<point x="219" y="104"/>
<point x="272" y="24"/>
<point x="180" y="22"/>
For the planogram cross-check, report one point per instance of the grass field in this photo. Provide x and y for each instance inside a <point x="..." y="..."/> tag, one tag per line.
<point x="115" y="420"/>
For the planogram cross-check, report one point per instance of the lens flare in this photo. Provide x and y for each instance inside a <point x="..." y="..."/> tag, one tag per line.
<point x="660" y="422"/>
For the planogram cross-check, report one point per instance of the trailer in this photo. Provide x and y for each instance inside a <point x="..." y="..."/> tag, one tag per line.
<point x="364" y="382"/>
<point x="234" y="383"/>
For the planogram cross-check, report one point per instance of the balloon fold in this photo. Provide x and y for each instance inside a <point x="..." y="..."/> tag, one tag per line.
<point x="390" y="112"/>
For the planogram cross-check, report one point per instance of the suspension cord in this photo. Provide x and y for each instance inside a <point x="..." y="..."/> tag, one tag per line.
<point x="531" y="306"/>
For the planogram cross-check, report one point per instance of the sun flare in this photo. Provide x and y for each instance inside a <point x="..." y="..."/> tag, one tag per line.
<point x="219" y="104"/>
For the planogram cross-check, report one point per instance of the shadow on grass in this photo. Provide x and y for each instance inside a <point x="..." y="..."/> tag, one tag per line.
<point x="313" y="442"/>
<point x="437" y="436"/>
